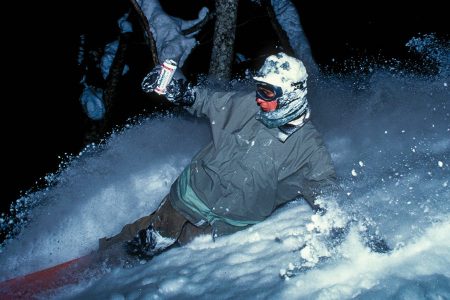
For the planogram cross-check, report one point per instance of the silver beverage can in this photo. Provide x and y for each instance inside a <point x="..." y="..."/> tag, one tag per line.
<point x="167" y="71"/>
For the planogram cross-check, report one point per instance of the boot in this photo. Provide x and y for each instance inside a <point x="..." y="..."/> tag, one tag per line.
<point x="147" y="243"/>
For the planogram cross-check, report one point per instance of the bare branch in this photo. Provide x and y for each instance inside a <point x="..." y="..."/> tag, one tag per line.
<point x="150" y="41"/>
<point x="199" y="25"/>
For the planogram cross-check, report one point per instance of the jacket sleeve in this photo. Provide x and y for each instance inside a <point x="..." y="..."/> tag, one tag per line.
<point x="319" y="178"/>
<point x="208" y="102"/>
<point x="314" y="176"/>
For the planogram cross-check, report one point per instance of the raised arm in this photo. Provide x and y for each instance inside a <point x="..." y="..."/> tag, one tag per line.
<point x="200" y="101"/>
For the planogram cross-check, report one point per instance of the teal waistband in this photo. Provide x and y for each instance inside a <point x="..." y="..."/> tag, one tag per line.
<point x="190" y="199"/>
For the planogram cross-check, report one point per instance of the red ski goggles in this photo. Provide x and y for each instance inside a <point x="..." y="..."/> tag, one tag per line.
<point x="267" y="91"/>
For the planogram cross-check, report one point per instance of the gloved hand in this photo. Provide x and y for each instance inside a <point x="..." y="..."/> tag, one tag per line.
<point x="178" y="91"/>
<point x="150" y="80"/>
<point x="181" y="92"/>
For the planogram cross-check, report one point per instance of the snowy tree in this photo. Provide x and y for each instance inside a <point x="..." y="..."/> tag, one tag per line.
<point x="168" y="31"/>
<point x="173" y="39"/>
<point x="169" y="37"/>
<point x="289" y="19"/>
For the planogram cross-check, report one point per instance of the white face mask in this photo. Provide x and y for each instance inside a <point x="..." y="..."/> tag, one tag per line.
<point x="286" y="112"/>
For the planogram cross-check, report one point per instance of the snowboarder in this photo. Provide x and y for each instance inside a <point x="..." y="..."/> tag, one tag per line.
<point x="261" y="156"/>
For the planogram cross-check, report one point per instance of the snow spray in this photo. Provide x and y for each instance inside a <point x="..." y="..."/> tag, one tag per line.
<point x="167" y="71"/>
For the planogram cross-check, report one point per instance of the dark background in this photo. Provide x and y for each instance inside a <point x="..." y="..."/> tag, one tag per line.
<point x="42" y="118"/>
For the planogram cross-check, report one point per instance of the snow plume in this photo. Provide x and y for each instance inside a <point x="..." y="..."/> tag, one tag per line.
<point x="389" y="135"/>
<point x="166" y="30"/>
<point x="432" y="49"/>
<point x="389" y="129"/>
<point x="100" y="190"/>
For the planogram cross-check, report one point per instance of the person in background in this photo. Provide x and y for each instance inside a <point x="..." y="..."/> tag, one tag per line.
<point x="264" y="152"/>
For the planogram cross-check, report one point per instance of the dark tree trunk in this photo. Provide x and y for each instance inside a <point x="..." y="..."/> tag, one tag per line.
<point x="223" y="41"/>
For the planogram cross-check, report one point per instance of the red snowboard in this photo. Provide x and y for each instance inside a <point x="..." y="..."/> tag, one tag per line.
<point x="45" y="281"/>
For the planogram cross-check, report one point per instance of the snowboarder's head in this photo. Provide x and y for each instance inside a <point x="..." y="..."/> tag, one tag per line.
<point x="281" y="90"/>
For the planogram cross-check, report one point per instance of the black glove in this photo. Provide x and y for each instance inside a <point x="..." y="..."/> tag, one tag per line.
<point x="181" y="92"/>
<point x="148" y="85"/>
<point x="178" y="91"/>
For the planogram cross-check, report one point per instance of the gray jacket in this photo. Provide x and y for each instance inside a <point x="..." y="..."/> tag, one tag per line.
<point x="248" y="170"/>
